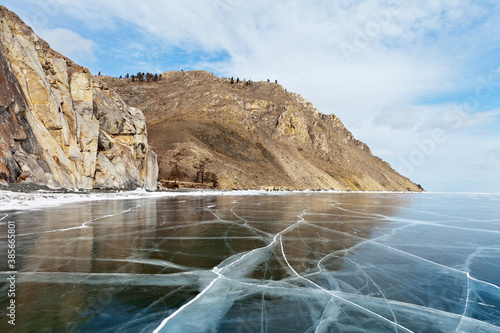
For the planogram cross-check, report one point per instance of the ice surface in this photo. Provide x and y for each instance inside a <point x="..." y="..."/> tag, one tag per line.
<point x="254" y="262"/>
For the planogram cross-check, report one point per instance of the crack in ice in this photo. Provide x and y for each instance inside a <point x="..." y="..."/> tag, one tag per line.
<point x="84" y="224"/>
<point x="330" y="292"/>
<point x="218" y="271"/>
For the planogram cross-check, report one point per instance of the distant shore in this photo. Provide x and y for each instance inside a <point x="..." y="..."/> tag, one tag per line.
<point x="25" y="197"/>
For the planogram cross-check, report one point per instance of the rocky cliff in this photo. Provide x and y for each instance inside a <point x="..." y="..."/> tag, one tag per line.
<point x="59" y="126"/>
<point x="255" y="134"/>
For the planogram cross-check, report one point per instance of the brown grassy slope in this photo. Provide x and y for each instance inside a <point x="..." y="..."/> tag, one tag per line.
<point x="256" y="134"/>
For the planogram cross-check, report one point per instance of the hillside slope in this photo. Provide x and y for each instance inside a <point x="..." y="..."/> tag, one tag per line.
<point x="256" y="135"/>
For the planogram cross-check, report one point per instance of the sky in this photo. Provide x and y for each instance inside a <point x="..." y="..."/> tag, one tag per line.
<point x="419" y="82"/>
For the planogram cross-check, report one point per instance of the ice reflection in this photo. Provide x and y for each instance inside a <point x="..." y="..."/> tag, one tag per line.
<point x="262" y="263"/>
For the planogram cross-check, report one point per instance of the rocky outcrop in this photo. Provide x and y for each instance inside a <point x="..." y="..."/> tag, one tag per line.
<point x="256" y="135"/>
<point x="61" y="127"/>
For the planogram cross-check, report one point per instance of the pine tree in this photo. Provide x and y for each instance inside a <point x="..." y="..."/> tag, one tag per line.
<point x="200" y="168"/>
<point x="175" y="173"/>
<point x="214" y="179"/>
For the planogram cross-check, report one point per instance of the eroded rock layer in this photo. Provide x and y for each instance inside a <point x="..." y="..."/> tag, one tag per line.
<point x="62" y="128"/>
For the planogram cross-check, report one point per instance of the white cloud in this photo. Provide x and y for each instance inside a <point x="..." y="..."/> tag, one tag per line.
<point x="69" y="44"/>
<point x="424" y="118"/>
<point x="400" y="117"/>
<point x="451" y="162"/>
<point x="491" y="160"/>
<point x="457" y="119"/>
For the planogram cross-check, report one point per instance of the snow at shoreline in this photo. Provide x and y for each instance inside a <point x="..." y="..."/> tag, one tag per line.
<point x="10" y="200"/>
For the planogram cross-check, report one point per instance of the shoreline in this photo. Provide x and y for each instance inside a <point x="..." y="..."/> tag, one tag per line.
<point x="20" y="199"/>
<point x="23" y="198"/>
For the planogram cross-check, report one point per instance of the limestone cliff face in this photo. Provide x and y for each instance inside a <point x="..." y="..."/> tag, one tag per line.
<point x="61" y="127"/>
<point x="256" y="134"/>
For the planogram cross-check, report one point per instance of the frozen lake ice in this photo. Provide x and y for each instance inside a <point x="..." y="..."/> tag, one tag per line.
<point x="257" y="262"/>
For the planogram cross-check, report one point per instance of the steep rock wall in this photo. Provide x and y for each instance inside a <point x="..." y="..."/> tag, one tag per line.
<point x="60" y="126"/>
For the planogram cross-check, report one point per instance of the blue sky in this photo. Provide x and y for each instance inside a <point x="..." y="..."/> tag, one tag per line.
<point x="418" y="82"/>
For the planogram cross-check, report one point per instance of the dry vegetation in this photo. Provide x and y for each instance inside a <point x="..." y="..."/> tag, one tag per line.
<point x="256" y="135"/>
